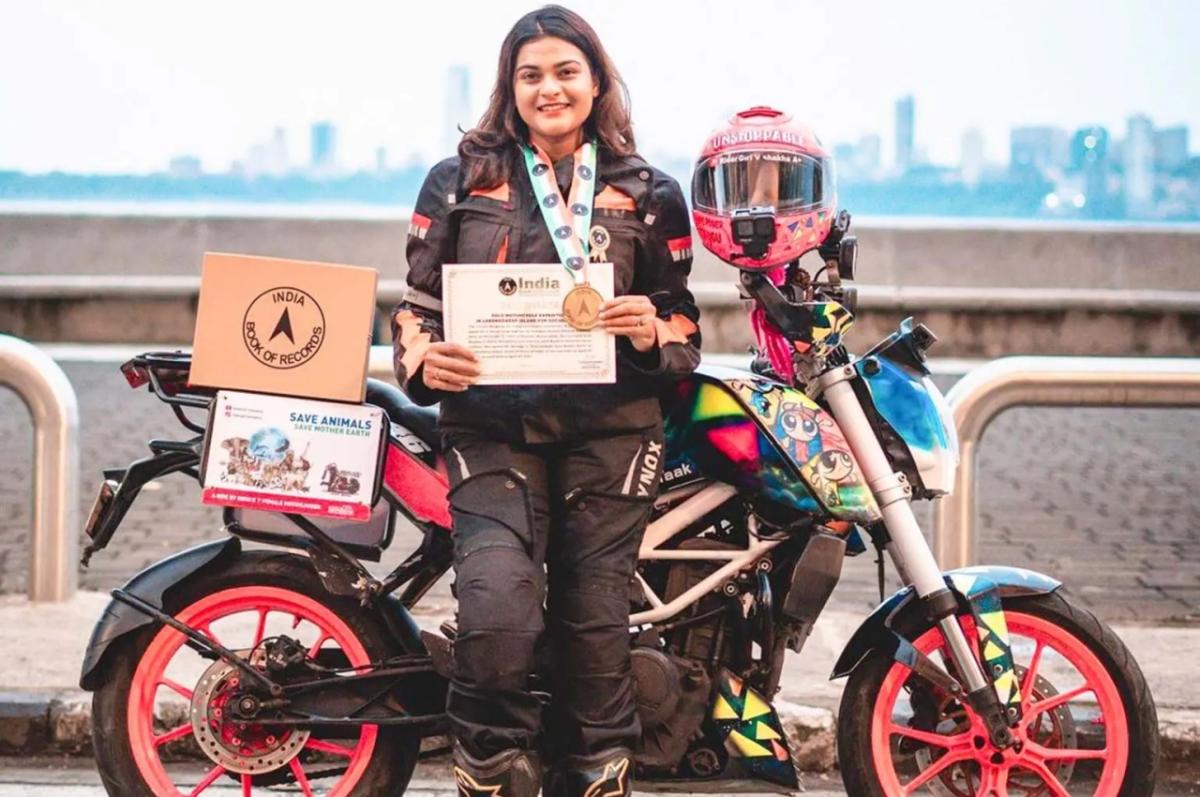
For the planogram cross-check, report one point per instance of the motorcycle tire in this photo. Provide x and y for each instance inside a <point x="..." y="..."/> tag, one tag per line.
<point x="126" y="742"/>
<point x="882" y="754"/>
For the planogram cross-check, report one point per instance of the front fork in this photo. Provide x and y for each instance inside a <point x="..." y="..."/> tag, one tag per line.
<point x="907" y="548"/>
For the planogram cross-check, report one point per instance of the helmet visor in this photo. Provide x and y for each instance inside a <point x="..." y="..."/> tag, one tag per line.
<point x="787" y="181"/>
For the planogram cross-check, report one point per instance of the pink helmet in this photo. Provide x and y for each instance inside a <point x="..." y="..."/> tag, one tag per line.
<point x="763" y="190"/>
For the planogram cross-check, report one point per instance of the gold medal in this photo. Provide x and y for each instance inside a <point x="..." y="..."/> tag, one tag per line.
<point x="581" y="308"/>
<point x="599" y="239"/>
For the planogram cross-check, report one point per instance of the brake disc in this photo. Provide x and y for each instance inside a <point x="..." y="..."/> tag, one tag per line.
<point x="249" y="748"/>
<point x="1054" y="728"/>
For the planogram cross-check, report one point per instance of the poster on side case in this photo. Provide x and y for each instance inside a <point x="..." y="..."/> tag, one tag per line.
<point x="281" y="454"/>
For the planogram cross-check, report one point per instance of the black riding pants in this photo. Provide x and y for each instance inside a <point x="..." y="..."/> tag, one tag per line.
<point x="546" y="540"/>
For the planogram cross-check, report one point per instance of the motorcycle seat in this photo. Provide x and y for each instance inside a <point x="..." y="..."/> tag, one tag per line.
<point x="421" y="421"/>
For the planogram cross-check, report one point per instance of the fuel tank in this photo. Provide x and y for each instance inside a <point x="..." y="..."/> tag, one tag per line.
<point x="764" y="438"/>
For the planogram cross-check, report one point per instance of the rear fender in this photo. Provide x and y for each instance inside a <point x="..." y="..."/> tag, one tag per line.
<point x="155" y="582"/>
<point x="151" y="585"/>
<point x="968" y="583"/>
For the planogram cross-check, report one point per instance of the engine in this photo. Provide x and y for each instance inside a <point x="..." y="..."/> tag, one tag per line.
<point x="672" y="670"/>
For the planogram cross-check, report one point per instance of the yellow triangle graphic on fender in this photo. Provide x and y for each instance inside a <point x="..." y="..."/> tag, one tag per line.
<point x="747" y="747"/>
<point x="995" y="621"/>
<point x="992" y="651"/>
<point x="755" y="707"/>
<point x="764" y="732"/>
<point x="722" y="710"/>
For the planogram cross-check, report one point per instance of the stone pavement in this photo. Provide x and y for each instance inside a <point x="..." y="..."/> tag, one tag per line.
<point x="1108" y="500"/>
<point x="55" y="779"/>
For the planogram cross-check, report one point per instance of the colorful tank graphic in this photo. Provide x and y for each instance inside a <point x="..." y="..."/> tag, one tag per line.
<point x="761" y="436"/>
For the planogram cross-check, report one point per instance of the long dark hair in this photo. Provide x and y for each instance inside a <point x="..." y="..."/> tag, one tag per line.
<point x="486" y="151"/>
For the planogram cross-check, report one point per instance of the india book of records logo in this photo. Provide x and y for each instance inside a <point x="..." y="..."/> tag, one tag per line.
<point x="283" y="327"/>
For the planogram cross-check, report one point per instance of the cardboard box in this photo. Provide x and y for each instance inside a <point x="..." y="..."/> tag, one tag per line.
<point x="291" y="327"/>
<point x="283" y="454"/>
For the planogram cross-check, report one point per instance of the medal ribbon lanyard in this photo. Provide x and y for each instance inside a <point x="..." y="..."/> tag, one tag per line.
<point x="568" y="222"/>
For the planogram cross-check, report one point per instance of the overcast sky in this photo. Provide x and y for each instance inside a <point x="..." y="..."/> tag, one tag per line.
<point x="124" y="85"/>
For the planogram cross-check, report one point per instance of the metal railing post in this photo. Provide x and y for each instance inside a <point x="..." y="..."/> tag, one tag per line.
<point x="54" y="537"/>
<point x="1008" y="382"/>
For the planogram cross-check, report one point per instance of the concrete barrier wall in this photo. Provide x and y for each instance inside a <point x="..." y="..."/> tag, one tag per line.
<point x="909" y="252"/>
<point x="988" y="289"/>
<point x="971" y="322"/>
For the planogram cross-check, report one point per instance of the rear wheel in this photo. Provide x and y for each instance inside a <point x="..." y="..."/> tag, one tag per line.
<point x="1088" y="726"/>
<point x="163" y="727"/>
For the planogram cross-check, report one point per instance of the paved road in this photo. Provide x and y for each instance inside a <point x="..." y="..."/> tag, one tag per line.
<point x="1107" y="500"/>
<point x="77" y="779"/>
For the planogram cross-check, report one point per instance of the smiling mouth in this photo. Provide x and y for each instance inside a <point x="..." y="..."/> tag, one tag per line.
<point x="554" y="106"/>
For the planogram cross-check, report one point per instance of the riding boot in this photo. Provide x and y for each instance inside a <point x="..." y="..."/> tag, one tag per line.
<point x="512" y="773"/>
<point x="608" y="773"/>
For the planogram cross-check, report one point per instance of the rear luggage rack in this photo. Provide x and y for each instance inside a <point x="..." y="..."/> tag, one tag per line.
<point x="167" y="374"/>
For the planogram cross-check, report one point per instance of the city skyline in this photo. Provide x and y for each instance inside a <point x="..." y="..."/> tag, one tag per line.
<point x="127" y="87"/>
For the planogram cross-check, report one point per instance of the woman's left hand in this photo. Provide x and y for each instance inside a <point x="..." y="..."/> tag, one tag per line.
<point x="633" y="317"/>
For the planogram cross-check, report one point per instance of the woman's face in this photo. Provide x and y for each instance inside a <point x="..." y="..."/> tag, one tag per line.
<point x="554" y="88"/>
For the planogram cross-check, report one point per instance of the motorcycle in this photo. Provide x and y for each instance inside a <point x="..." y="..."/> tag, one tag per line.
<point x="290" y="663"/>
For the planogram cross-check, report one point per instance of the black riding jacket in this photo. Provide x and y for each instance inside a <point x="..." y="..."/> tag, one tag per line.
<point x="647" y="218"/>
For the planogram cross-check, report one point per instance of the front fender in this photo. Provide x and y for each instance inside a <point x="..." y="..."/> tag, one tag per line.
<point x="151" y="585"/>
<point x="876" y="632"/>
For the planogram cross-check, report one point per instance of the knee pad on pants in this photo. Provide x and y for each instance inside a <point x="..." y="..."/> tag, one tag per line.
<point x="500" y="589"/>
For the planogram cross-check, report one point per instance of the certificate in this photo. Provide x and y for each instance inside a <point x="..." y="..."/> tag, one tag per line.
<point x="510" y="315"/>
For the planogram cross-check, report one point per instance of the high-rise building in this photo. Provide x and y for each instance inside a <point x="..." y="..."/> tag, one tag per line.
<point x="1090" y="156"/>
<point x="324" y="146"/>
<point x="867" y="157"/>
<point x="458" y="107"/>
<point x="1138" y="157"/>
<point x="858" y="161"/>
<point x="1045" y="149"/>
<point x="1170" y="148"/>
<point x="972" y="158"/>
<point x="904" y="132"/>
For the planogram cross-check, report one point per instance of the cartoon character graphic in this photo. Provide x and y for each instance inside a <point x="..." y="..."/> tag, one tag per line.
<point x="799" y="428"/>
<point x="825" y="471"/>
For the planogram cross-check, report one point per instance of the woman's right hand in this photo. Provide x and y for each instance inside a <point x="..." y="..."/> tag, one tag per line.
<point x="450" y="366"/>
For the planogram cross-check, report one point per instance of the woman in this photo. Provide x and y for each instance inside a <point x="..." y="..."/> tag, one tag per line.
<point x="557" y="478"/>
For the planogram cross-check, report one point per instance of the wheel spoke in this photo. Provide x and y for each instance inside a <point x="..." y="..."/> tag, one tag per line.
<point x="247" y="783"/>
<point x="927" y="737"/>
<point x="316" y="647"/>
<point x="933" y="770"/>
<point x="1056" y="701"/>
<point x="301" y="779"/>
<point x="322" y="746"/>
<point x="1052" y="783"/>
<point x="1031" y="676"/>
<point x="262" y="627"/>
<point x="994" y="783"/>
<point x="176" y="687"/>
<point x="171" y="735"/>
<point x="1063" y="754"/>
<point x="212" y="775"/>
<point x="208" y="632"/>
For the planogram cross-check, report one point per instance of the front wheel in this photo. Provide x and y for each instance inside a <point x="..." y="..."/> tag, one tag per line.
<point x="1089" y="726"/>
<point x="162" y="724"/>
